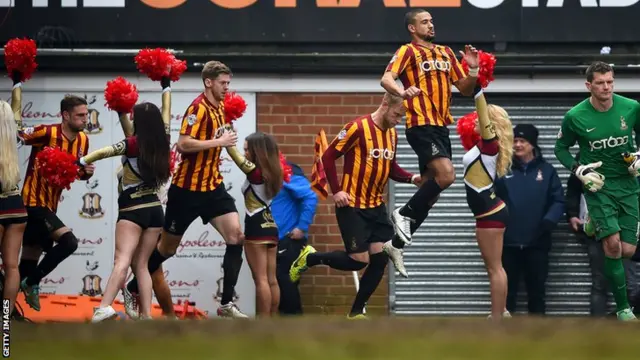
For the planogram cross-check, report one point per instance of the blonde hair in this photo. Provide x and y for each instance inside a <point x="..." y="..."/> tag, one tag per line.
<point x="9" y="170"/>
<point x="504" y="131"/>
<point x="391" y="99"/>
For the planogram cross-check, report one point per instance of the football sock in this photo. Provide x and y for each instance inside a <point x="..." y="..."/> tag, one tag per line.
<point x="231" y="264"/>
<point x="421" y="201"/>
<point x="614" y="271"/>
<point x="370" y="281"/>
<point x="338" y="260"/>
<point x="66" y="245"/>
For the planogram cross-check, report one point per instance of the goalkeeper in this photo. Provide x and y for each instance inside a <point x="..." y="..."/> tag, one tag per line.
<point x="602" y="125"/>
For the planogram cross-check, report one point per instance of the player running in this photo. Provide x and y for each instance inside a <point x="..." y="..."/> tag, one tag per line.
<point x="368" y="145"/>
<point x="602" y="126"/>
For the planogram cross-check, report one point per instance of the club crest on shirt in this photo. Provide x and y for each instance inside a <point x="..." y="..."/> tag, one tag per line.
<point x="342" y="134"/>
<point x="560" y="134"/>
<point x="191" y="119"/>
<point x="539" y="177"/>
<point x="623" y="124"/>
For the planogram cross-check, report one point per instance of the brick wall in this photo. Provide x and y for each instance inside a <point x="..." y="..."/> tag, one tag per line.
<point x="295" y="119"/>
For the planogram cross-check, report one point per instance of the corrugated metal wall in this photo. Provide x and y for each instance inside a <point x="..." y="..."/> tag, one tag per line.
<point x="447" y="276"/>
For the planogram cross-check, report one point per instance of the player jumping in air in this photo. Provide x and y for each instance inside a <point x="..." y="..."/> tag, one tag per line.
<point x="602" y="125"/>
<point x="428" y="72"/>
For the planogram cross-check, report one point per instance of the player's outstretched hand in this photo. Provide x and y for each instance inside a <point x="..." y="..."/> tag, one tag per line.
<point x="592" y="180"/>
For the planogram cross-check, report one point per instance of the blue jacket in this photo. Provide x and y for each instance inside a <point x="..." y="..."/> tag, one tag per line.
<point x="535" y="199"/>
<point x="295" y="205"/>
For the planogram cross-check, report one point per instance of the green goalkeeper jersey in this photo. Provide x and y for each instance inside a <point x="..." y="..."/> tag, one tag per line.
<point x="601" y="136"/>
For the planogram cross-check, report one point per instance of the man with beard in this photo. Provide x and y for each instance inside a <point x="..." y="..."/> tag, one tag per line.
<point x="197" y="189"/>
<point x="44" y="228"/>
<point x="427" y="71"/>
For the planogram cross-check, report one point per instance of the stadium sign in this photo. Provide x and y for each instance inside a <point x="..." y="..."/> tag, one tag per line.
<point x="329" y="21"/>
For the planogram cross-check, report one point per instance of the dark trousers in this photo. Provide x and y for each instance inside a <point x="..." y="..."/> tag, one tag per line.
<point x="600" y="284"/>
<point x="288" y="251"/>
<point x="529" y="263"/>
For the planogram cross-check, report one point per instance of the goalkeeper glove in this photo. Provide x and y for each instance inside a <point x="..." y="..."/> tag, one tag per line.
<point x="592" y="180"/>
<point x="634" y="163"/>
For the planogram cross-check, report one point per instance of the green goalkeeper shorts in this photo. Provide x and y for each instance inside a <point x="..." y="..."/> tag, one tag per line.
<point x="615" y="210"/>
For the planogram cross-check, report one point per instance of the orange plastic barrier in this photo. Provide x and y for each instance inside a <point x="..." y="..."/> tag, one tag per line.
<point x="69" y="308"/>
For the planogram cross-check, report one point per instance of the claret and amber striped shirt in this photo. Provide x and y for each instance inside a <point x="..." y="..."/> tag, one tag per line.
<point x="369" y="161"/>
<point x="35" y="191"/>
<point x="433" y="71"/>
<point x="201" y="171"/>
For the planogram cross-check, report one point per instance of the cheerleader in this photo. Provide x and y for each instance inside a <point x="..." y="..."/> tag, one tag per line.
<point x="261" y="163"/>
<point x="13" y="215"/>
<point x="145" y="162"/>
<point x="489" y="144"/>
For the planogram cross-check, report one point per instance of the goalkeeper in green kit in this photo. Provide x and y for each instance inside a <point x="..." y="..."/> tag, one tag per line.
<point x="603" y="127"/>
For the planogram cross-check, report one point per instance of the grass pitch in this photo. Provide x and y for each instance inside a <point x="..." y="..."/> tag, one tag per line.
<point x="327" y="338"/>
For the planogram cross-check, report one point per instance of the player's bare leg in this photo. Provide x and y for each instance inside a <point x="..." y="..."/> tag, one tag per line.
<point x="163" y="293"/>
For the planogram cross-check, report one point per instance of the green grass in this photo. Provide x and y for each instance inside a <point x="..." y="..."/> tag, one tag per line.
<point x="326" y="338"/>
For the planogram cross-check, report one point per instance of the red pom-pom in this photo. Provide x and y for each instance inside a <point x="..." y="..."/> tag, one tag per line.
<point x="177" y="68"/>
<point x="486" y="63"/>
<point x="466" y="128"/>
<point x="234" y="107"/>
<point x="120" y="95"/>
<point x="57" y="167"/>
<point x="174" y="158"/>
<point x="287" y="171"/>
<point x="155" y="63"/>
<point x="20" y="56"/>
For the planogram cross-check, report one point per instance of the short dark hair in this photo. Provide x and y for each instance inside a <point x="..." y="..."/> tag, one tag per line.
<point x="410" y="17"/>
<point x="599" y="67"/>
<point x="71" y="101"/>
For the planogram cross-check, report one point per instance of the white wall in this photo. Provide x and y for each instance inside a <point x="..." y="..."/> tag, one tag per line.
<point x="195" y="273"/>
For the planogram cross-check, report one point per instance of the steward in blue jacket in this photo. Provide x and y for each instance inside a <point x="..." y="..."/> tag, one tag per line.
<point x="535" y="199"/>
<point x="295" y="205"/>
<point x="293" y="210"/>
